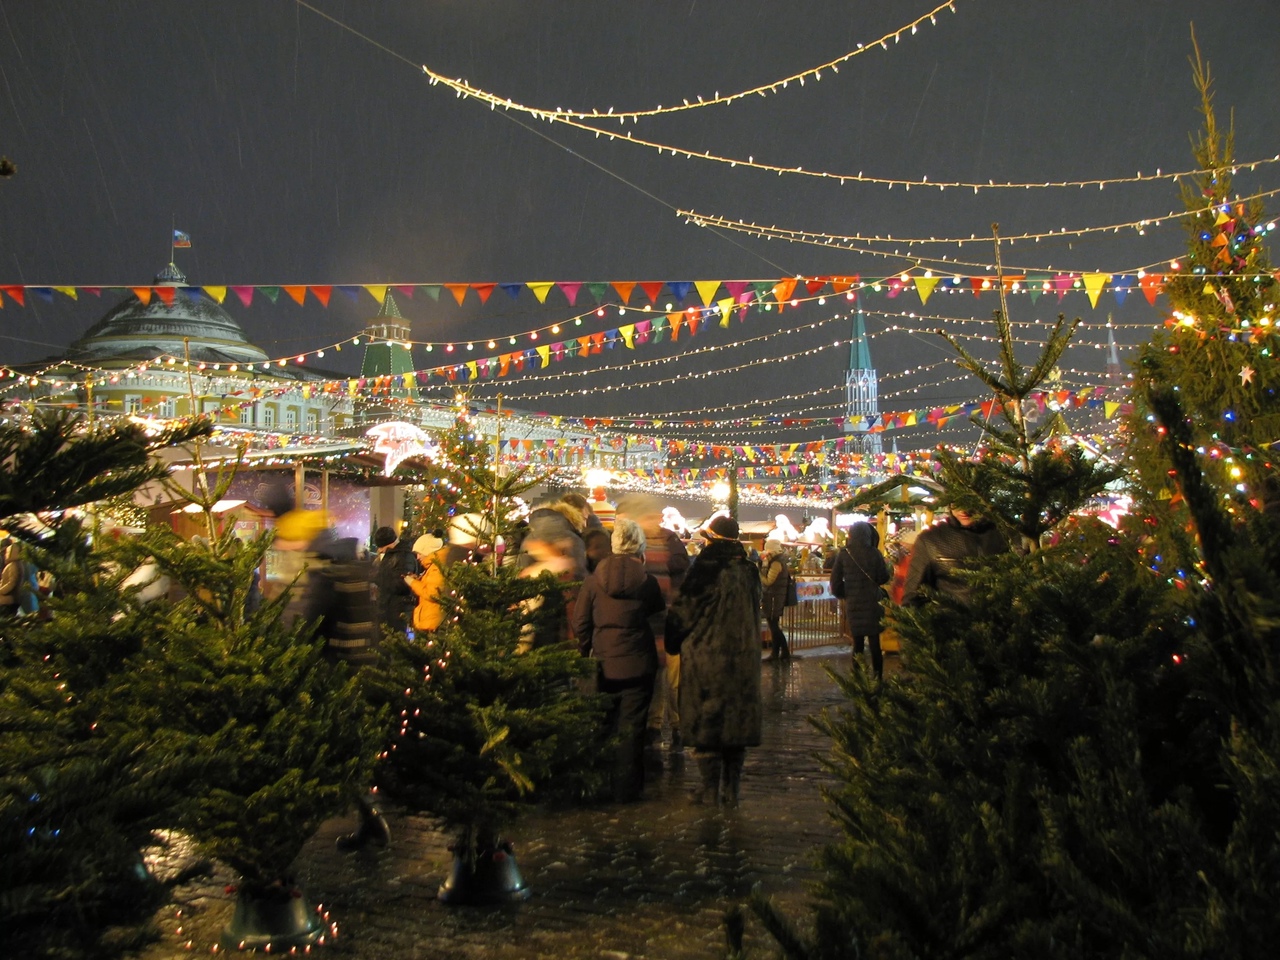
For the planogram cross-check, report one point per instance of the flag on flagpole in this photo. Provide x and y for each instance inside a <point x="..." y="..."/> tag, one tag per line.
<point x="180" y="239"/>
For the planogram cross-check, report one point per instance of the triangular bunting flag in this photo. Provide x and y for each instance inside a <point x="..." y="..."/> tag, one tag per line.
<point x="216" y="294"/>
<point x="707" y="290"/>
<point x="651" y="288"/>
<point x="432" y="290"/>
<point x="1152" y="284"/>
<point x="541" y="289"/>
<point x="378" y="291"/>
<point x="680" y="288"/>
<point x="628" y="334"/>
<point x="459" y="290"/>
<point x="296" y="294"/>
<point x="783" y="289"/>
<point x="623" y="290"/>
<point x="17" y="294"/>
<point x="570" y="291"/>
<point x="321" y="293"/>
<point x="142" y="293"/>
<point x="1121" y="285"/>
<point x="726" y="310"/>
<point x="924" y="287"/>
<point x="484" y="290"/>
<point x="244" y="293"/>
<point x="598" y="290"/>
<point x="1093" y="284"/>
<point x="67" y="291"/>
<point x="544" y="354"/>
<point x="166" y="295"/>
<point x="512" y="290"/>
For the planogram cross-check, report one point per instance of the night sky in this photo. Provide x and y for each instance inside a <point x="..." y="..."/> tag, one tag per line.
<point x="302" y="144"/>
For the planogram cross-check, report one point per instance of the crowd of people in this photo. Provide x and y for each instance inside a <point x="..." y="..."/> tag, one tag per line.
<point x="674" y="632"/>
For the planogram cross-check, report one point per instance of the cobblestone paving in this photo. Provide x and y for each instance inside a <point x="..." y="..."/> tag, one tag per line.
<point x="649" y="880"/>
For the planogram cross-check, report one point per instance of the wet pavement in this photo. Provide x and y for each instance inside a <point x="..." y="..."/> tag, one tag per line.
<point x="651" y="879"/>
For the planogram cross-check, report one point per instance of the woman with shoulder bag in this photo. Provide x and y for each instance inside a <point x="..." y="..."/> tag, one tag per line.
<point x="856" y="579"/>
<point x="774" y="578"/>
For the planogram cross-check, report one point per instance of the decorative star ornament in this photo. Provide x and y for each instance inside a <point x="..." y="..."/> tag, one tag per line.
<point x="1246" y="374"/>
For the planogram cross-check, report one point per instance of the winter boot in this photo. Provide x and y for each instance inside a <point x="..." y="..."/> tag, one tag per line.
<point x="708" y="789"/>
<point x="373" y="828"/>
<point x="732" y="776"/>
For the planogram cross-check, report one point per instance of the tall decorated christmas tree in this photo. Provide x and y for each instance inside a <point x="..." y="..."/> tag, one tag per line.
<point x="1082" y="761"/>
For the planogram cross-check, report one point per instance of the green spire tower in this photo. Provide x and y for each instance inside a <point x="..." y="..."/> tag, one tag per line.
<point x="387" y="351"/>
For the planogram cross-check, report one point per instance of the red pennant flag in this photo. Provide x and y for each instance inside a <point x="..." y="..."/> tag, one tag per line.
<point x="1152" y="284"/>
<point x="166" y="295"/>
<point x="298" y="294"/>
<point x="321" y="294"/>
<point x="624" y="290"/>
<point x="459" y="291"/>
<point x="815" y="284"/>
<point x="977" y="282"/>
<point x="18" y="294"/>
<point x="651" y="289"/>
<point x="483" y="289"/>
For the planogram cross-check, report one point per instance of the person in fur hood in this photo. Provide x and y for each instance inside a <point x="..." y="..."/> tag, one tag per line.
<point x="611" y="622"/>
<point x="714" y="626"/>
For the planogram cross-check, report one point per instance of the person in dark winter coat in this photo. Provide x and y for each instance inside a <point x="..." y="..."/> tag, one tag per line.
<point x="774" y="577"/>
<point x="942" y="550"/>
<point x="394" y="562"/>
<point x="714" y="626"/>
<point x="611" y="622"/>
<point x="666" y="558"/>
<point x="338" y="595"/>
<point x="857" y="575"/>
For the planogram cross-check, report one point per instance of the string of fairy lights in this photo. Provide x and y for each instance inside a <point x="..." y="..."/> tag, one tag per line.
<point x="843" y="241"/>
<point x="698" y="102"/>
<point x="579" y="118"/>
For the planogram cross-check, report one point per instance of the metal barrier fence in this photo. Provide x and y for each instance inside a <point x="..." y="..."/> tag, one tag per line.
<point x="817" y="620"/>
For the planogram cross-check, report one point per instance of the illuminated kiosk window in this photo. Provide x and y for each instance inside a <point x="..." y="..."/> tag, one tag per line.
<point x="398" y="441"/>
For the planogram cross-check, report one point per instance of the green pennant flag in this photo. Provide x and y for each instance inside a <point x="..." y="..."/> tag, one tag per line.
<point x="432" y="290"/>
<point x="598" y="290"/>
<point x="271" y="293"/>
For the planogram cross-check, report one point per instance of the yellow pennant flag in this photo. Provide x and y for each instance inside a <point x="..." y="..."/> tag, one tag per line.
<point x="1109" y="408"/>
<point x="726" y="310"/>
<point x="706" y="290"/>
<point x="628" y="335"/>
<point x="541" y="289"/>
<point x="216" y="294"/>
<point x="924" y="287"/>
<point x="353" y="387"/>
<point x="69" y="291"/>
<point x="473" y="370"/>
<point x="544" y="354"/>
<point x="377" y="290"/>
<point x="1093" y="284"/>
<point x="306" y="391"/>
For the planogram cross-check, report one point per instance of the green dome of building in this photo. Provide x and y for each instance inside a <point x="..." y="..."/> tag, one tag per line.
<point x="133" y="330"/>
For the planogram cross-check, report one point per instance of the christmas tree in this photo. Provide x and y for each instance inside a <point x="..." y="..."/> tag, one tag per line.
<point x="483" y="730"/>
<point x="1082" y="761"/>
<point x="79" y="795"/>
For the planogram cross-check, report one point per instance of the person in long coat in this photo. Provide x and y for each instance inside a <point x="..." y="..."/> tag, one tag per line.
<point x="856" y="577"/>
<point x="774" y="577"/>
<point x="714" y="627"/>
<point x="611" y="623"/>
